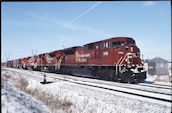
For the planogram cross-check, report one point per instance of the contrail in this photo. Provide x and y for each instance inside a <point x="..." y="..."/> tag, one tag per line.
<point x="88" y="10"/>
<point x="91" y="8"/>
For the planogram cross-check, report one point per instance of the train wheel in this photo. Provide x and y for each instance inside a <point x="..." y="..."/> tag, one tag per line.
<point x="135" y="81"/>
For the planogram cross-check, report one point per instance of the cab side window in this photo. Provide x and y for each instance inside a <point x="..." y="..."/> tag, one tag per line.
<point x="117" y="43"/>
<point x="90" y="46"/>
<point x="130" y="43"/>
<point x="106" y="45"/>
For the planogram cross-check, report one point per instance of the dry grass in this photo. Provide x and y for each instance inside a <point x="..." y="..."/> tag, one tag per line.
<point x="52" y="101"/>
<point x="2" y="82"/>
<point x="6" y="75"/>
<point x="22" y="83"/>
<point x="4" y="78"/>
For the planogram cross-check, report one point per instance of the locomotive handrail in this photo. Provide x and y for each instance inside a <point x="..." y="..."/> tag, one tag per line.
<point x="117" y="65"/>
<point x="123" y="60"/>
<point x="58" y="63"/>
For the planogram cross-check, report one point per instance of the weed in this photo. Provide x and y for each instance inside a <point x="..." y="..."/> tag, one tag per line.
<point x="53" y="101"/>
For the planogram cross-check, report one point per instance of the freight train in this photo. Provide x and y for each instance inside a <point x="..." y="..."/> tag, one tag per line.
<point x="115" y="59"/>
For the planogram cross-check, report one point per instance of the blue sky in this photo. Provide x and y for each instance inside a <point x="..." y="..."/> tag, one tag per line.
<point x="48" y="26"/>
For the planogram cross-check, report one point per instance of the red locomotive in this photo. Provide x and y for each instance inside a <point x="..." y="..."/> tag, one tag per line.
<point x="116" y="59"/>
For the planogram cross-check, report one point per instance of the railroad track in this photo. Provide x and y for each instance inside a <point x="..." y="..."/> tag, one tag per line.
<point x="141" y="87"/>
<point x="156" y="85"/>
<point x="147" y="87"/>
<point x="131" y="89"/>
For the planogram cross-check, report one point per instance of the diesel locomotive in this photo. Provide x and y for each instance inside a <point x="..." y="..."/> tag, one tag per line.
<point x="115" y="59"/>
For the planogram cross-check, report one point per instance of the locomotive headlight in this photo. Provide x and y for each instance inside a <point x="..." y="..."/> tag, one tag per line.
<point x="131" y="48"/>
<point x="126" y="48"/>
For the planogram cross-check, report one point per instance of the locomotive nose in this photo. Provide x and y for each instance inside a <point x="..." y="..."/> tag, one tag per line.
<point x="131" y="48"/>
<point x="132" y="55"/>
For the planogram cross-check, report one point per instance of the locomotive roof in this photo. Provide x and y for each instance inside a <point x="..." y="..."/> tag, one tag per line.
<point x="71" y="47"/>
<point x="80" y="46"/>
<point x="110" y="39"/>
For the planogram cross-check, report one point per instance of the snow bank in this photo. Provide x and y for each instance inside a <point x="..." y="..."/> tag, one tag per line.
<point x="158" y="78"/>
<point x="15" y="101"/>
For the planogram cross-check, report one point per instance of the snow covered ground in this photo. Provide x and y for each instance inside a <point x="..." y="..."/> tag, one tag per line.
<point x="85" y="99"/>
<point x="164" y="79"/>
<point x="15" y="101"/>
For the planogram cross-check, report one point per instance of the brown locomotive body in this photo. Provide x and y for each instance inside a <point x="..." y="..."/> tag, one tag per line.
<point x="116" y="59"/>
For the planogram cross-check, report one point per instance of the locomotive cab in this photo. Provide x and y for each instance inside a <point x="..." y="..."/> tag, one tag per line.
<point x="127" y="60"/>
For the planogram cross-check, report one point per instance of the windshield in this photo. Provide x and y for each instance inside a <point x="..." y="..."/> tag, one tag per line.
<point x="130" y="43"/>
<point x="117" y="43"/>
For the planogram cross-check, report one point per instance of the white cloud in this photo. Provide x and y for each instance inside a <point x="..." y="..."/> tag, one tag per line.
<point x="63" y="39"/>
<point x="148" y="3"/>
<point x="43" y="17"/>
<point x="85" y="28"/>
<point x="39" y="15"/>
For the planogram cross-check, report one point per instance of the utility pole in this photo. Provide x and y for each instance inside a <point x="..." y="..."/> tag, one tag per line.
<point x="7" y="56"/>
<point x="34" y="52"/>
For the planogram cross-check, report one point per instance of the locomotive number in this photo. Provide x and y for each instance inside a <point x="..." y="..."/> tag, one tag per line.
<point x="105" y="53"/>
